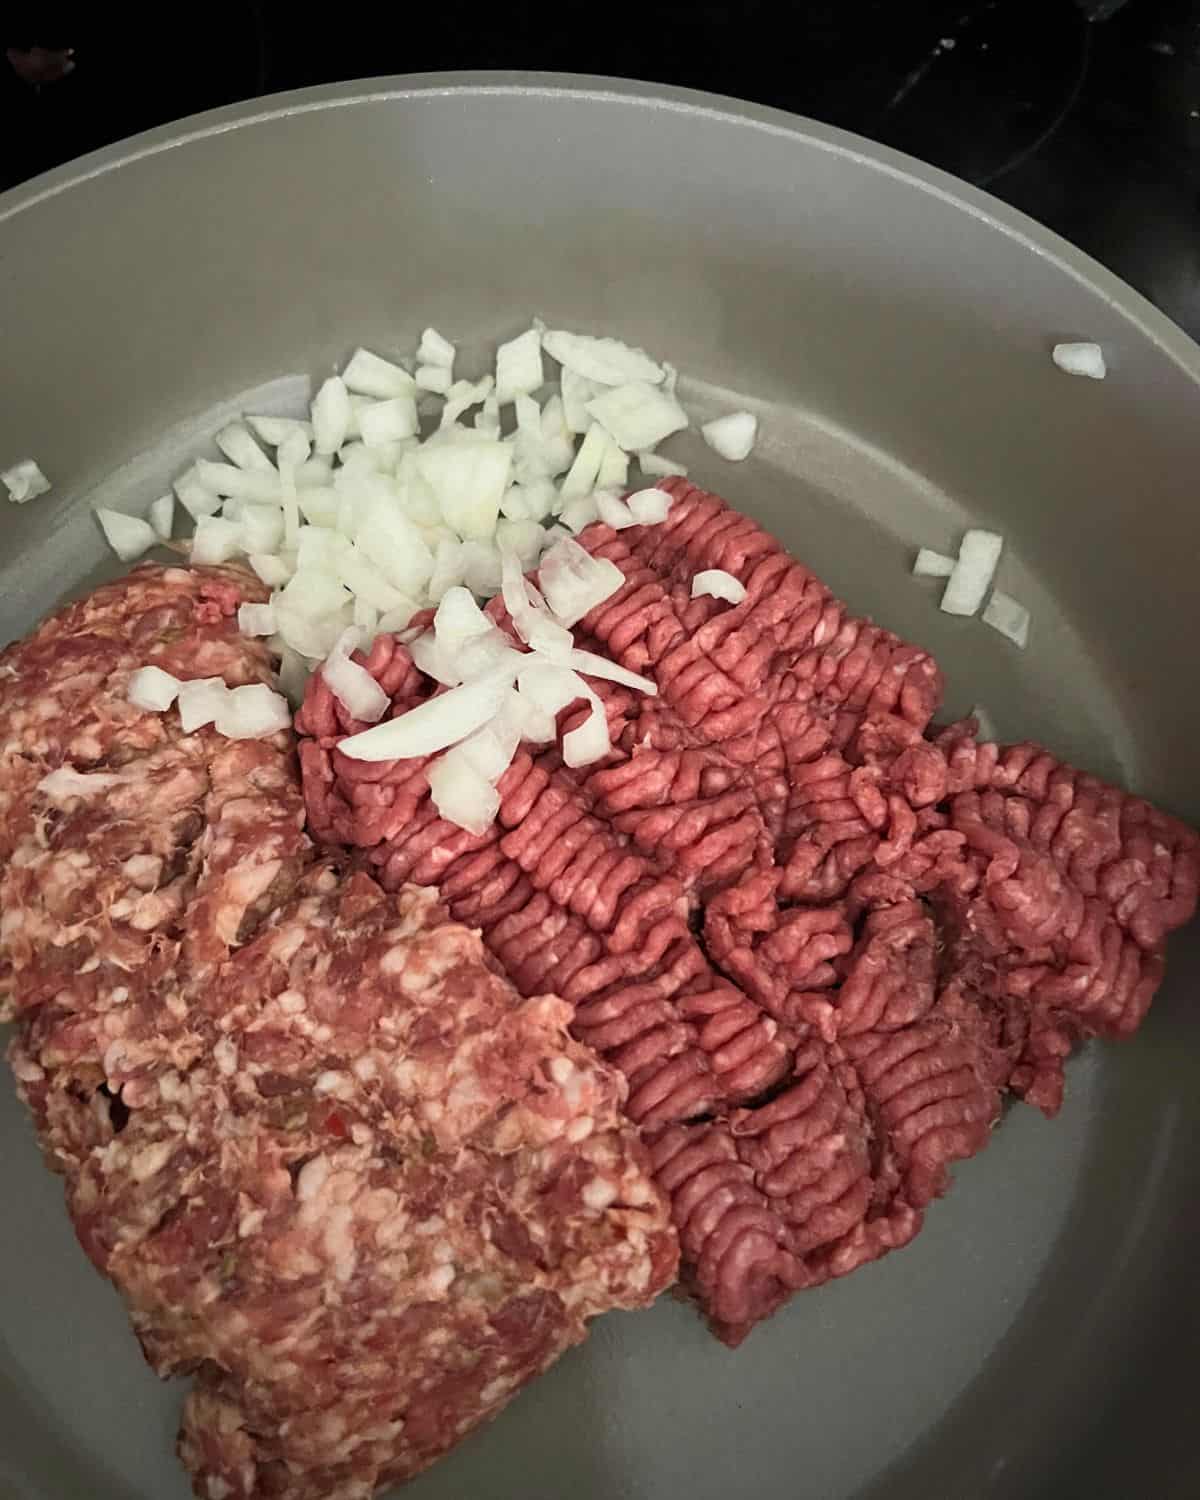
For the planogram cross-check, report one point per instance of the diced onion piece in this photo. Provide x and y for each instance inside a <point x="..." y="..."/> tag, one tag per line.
<point x="273" y="570"/>
<point x="1081" y="359"/>
<point x="273" y="430"/>
<point x="524" y="538"/>
<point x="216" y="540"/>
<point x="331" y="415"/>
<point x="392" y="541"/>
<point x="487" y="418"/>
<point x="321" y="549"/>
<point x="434" y="724"/>
<point x="351" y="684"/>
<point x="731" y="436"/>
<point x="434" y="660"/>
<point x="128" y="536"/>
<point x="606" y="361"/>
<point x="293" y="672"/>
<point x="262" y="527"/>
<point x="985" y="729"/>
<point x="490" y="750"/>
<point x="484" y="654"/>
<point x="435" y="379"/>
<point x="463" y="395"/>
<point x="529" y="614"/>
<point x="310" y="472"/>
<point x="718" y="584"/>
<point x="649" y="507"/>
<point x="578" y="513"/>
<point x="657" y="466"/>
<point x="577" y="391"/>
<point x="252" y="712"/>
<point x="242" y="484"/>
<point x="973" y="572"/>
<point x="637" y="415"/>
<point x="613" y="511"/>
<point x="548" y="687"/>
<point x="388" y="421"/>
<point x="614" y="468"/>
<point x="469" y="481"/>
<point x="152" y="689"/>
<point x="366" y="620"/>
<point x="24" y="481"/>
<point x="256" y="619"/>
<point x="162" y="515"/>
<point x="239" y="447"/>
<point x="585" y="471"/>
<point x="391" y="621"/>
<point x="200" y="701"/>
<point x="590" y="742"/>
<point x="931" y="564"/>
<point x="593" y="665"/>
<point x="574" y="582"/>
<point x="461" y="795"/>
<point x="368" y="374"/>
<point x="195" y="496"/>
<point x="457" y="619"/>
<point x="1011" y="619"/>
<point x="364" y="580"/>
<point x="448" y="569"/>
<point x="435" y="350"/>
<point x="519" y="366"/>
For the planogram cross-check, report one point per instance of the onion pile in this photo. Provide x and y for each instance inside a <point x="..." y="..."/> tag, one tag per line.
<point x="969" y="576"/>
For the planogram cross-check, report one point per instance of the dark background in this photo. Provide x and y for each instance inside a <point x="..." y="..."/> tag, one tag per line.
<point x="1085" y="113"/>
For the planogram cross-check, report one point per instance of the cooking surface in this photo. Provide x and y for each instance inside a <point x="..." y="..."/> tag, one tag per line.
<point x="908" y="392"/>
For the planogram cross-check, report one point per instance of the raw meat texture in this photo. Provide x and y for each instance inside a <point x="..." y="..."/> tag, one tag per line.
<point x="338" y="1168"/>
<point x="820" y="940"/>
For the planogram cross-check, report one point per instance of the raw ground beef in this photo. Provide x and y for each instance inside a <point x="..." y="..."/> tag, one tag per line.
<point x="338" y="1168"/>
<point x="820" y="940"/>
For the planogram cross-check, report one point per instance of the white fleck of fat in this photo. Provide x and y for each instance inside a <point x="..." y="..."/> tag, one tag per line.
<point x="225" y="1055"/>
<point x="430" y="1226"/>
<point x="598" y="1194"/>
<point x="27" y="1070"/>
<point x="250" y="1223"/>
<point x="495" y="1390"/>
<point x="334" y="1084"/>
<point x="312" y="1178"/>
<point x="562" y="1069"/>
<point x="150" y="1159"/>
<point x="580" y="1128"/>
<point x="290" y="1002"/>
<point x="339" y="1241"/>
<point x="440" y="1280"/>
<point x="364" y="1067"/>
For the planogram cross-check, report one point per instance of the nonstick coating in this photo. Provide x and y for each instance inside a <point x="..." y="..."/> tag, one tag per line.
<point x="893" y="328"/>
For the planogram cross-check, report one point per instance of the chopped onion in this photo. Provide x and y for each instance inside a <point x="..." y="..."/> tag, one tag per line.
<point x="606" y="361"/>
<point x="24" y="481"/>
<point x="461" y="795"/>
<point x="576" y="514"/>
<point x="481" y="568"/>
<point x="331" y="415"/>
<point x="239" y="447"/>
<point x="128" y="536"/>
<point x="614" y="468"/>
<point x="434" y="378"/>
<point x="930" y="564"/>
<point x="973" y="572"/>
<point x="469" y="481"/>
<point x="200" y="701"/>
<point x="731" y="436"/>
<point x="463" y="395"/>
<point x="985" y="730"/>
<point x="196" y="497"/>
<point x="321" y="549"/>
<point x="519" y="366"/>
<point x="162" y="515"/>
<point x="574" y="582"/>
<point x="388" y="421"/>
<point x="649" y="507"/>
<point x="152" y="689"/>
<point x="273" y="430"/>
<point x="490" y="750"/>
<point x="656" y="466"/>
<point x="216" y="540"/>
<point x="529" y="614"/>
<point x="585" y="471"/>
<point x="369" y="375"/>
<point x="1081" y="359"/>
<point x="1011" y="619"/>
<point x="293" y="672"/>
<point x="637" y="415"/>
<point x="590" y="742"/>
<point x="593" y="665"/>
<point x="448" y="569"/>
<point x="364" y="580"/>
<point x="242" y="484"/>
<point x="435" y="350"/>
<point x="273" y="570"/>
<point x="256" y="619"/>
<point x="391" y="621"/>
<point x="434" y="724"/>
<point x="487" y="418"/>
<point x="262" y="526"/>
<point x="548" y="687"/>
<point x="484" y="654"/>
<point x="434" y="660"/>
<point x="577" y="391"/>
<point x="718" y="584"/>
<point x="252" y="712"/>
<point x="391" y="541"/>
<point x="457" y="619"/>
<point x="351" y="684"/>
<point x="524" y="538"/>
<point x="613" y="511"/>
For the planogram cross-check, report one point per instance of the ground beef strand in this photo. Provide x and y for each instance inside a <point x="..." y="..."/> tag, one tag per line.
<point x="820" y="939"/>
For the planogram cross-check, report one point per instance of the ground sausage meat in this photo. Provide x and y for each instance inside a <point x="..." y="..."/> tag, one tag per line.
<point x="820" y="939"/>
<point x="338" y="1168"/>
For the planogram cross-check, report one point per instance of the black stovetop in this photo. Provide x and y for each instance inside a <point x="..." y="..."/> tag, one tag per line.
<point x="1084" y="113"/>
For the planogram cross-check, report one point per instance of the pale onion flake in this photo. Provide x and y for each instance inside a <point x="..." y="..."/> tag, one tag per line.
<point x="978" y="558"/>
<point x="1008" y="616"/>
<point x="152" y="689"/>
<point x="732" y="436"/>
<point x="931" y="564"/>
<point x="128" y="536"/>
<point x="24" y="481"/>
<point x="1081" y="359"/>
<point x="718" y="584"/>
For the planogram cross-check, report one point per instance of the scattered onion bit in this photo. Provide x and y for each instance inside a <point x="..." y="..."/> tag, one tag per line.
<point x="24" y="481"/>
<point x="1081" y="359"/>
<point x="719" y="584"/>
